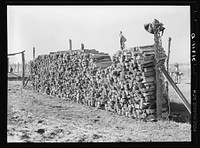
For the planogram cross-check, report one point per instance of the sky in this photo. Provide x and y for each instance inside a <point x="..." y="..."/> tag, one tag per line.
<point x="49" y="28"/>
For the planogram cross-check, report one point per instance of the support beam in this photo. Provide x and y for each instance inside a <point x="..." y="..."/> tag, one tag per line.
<point x="177" y="90"/>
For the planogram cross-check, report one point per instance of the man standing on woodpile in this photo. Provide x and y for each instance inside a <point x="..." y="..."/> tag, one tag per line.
<point x="122" y="40"/>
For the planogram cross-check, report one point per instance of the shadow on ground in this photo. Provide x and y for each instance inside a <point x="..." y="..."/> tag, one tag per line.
<point x="16" y="78"/>
<point x="179" y="113"/>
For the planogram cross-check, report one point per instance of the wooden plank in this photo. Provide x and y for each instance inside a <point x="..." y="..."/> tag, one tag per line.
<point x="149" y="53"/>
<point x="147" y="69"/>
<point x="146" y="50"/>
<point x="149" y="73"/>
<point x="146" y="46"/>
<point x="148" y="61"/>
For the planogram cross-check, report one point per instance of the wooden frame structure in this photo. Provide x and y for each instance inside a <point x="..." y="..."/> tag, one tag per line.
<point x="23" y="64"/>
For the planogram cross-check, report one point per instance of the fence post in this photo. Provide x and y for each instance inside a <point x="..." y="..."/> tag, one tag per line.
<point x="15" y="68"/>
<point x="33" y="53"/>
<point x="23" y="68"/>
<point x="18" y="67"/>
<point x="82" y="46"/>
<point x="167" y="62"/>
<point x="169" y="43"/>
<point x="70" y="44"/>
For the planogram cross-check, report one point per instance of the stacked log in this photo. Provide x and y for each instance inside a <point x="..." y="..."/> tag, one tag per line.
<point x="126" y="87"/>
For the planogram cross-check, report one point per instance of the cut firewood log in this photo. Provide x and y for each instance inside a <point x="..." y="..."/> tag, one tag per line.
<point x="150" y="93"/>
<point x="147" y="58"/>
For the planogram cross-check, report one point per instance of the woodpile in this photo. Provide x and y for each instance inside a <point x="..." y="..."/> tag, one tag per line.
<point x="126" y="87"/>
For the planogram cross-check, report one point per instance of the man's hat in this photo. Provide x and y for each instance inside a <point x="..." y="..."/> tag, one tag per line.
<point x="149" y="28"/>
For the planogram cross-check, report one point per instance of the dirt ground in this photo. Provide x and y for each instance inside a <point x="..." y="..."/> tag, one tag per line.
<point x="36" y="117"/>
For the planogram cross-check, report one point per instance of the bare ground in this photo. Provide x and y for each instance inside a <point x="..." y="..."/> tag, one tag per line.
<point x="36" y="117"/>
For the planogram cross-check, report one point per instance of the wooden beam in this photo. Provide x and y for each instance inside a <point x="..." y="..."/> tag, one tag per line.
<point x="12" y="54"/>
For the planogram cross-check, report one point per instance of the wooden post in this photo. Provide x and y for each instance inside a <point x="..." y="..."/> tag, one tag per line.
<point x="33" y="53"/>
<point x="158" y="94"/>
<point x="23" y="69"/>
<point x="169" y="43"/>
<point x="15" y="68"/>
<point x="167" y="62"/>
<point x="70" y="44"/>
<point x="82" y="46"/>
<point x="158" y="80"/>
<point x="18" y="67"/>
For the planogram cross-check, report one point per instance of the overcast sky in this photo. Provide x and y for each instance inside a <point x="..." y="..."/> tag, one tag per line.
<point x="49" y="28"/>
